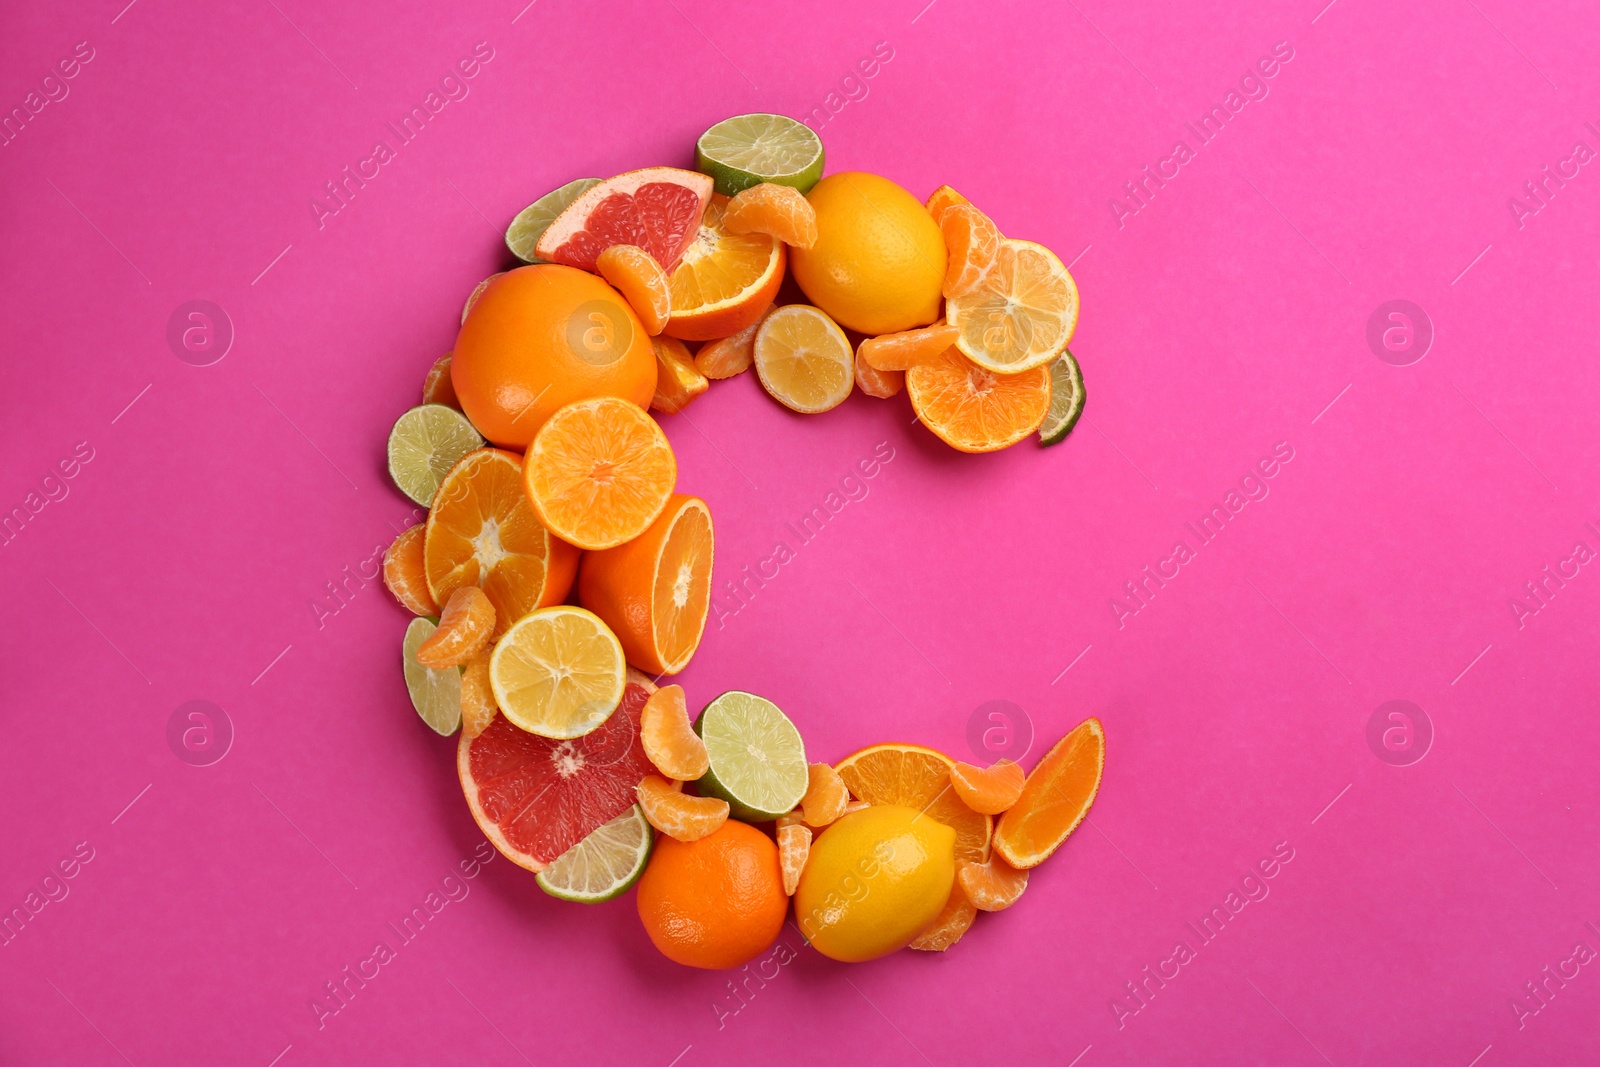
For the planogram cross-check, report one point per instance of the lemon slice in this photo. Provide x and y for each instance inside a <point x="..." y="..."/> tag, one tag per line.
<point x="804" y="360"/>
<point x="424" y="444"/>
<point x="435" y="694"/>
<point x="1020" y="314"/>
<point x="558" y="672"/>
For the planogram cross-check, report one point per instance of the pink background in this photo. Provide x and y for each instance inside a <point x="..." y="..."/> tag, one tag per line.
<point x="1224" y="317"/>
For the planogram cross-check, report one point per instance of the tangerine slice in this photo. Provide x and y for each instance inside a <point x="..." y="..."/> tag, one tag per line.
<point x="977" y="410"/>
<point x="732" y="355"/>
<point x="477" y="698"/>
<point x="641" y="281"/>
<point x="855" y="806"/>
<point x="919" y="778"/>
<point x="776" y="210"/>
<point x="953" y="921"/>
<point x="879" y="383"/>
<point x="437" y="388"/>
<point x="482" y="532"/>
<point x="599" y="472"/>
<point x="941" y="198"/>
<point x="974" y="243"/>
<point x="990" y="790"/>
<point x="463" y="630"/>
<point x="405" y="573"/>
<point x="992" y="886"/>
<point x="677" y="380"/>
<point x="826" y="797"/>
<point x="794" y="848"/>
<point x="804" y="359"/>
<point x="669" y="738"/>
<point x="726" y="281"/>
<point x="1020" y="314"/>
<point x="677" y="814"/>
<point x="1055" y="799"/>
<point x="655" y="591"/>
<point x="908" y="348"/>
<point x="656" y="208"/>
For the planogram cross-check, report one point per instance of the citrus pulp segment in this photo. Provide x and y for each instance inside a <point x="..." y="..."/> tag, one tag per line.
<point x="1020" y="313"/>
<point x="557" y="672"/>
<point x="424" y="444"/>
<point x="531" y="222"/>
<point x="406" y="573"/>
<point x="758" y="762"/>
<point x="641" y="281"/>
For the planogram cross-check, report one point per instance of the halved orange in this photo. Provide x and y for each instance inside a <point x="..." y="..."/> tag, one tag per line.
<point x="678" y="382"/>
<point x="977" y="410"/>
<point x="677" y="814"/>
<point x="463" y="630"/>
<point x="641" y="281"/>
<point x="992" y="886"/>
<point x="1056" y="798"/>
<point x="953" y="921"/>
<point x="990" y="790"/>
<point x="669" y="738"/>
<point x="779" y="211"/>
<point x="1020" y="313"/>
<point x="405" y="573"/>
<point x="725" y="281"/>
<point x="482" y="532"/>
<point x="917" y="777"/>
<point x="599" y="472"/>
<point x="655" y="591"/>
<point x="908" y="348"/>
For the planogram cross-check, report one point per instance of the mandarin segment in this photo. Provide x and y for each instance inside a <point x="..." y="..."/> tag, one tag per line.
<point x="641" y="281"/>
<point x="477" y="697"/>
<point x="726" y="281"/>
<point x="669" y="737"/>
<point x="879" y="383"/>
<point x="463" y="632"/>
<point x="992" y="886"/>
<point x="794" y="847"/>
<point x="678" y="381"/>
<point x="775" y="210"/>
<point x="599" y="472"/>
<point x="826" y="797"/>
<point x="437" y="388"/>
<point x="990" y="790"/>
<point x="909" y="348"/>
<point x="1056" y="798"/>
<point x="941" y="198"/>
<point x="976" y="410"/>
<point x="954" y="921"/>
<point x="406" y="574"/>
<point x="732" y="355"/>
<point x="677" y="814"/>
<point x="973" y="241"/>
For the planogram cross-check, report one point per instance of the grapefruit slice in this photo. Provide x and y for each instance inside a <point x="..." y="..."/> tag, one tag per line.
<point x="657" y="209"/>
<point x="536" y="797"/>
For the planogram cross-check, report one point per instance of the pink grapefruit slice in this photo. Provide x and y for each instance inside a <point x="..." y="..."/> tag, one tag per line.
<point x="536" y="797"/>
<point x="657" y="208"/>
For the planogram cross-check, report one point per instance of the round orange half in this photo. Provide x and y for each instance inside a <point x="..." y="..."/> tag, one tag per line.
<point x="917" y="777"/>
<point x="725" y="281"/>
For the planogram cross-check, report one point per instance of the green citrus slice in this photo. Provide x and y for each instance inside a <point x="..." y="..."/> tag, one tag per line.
<point x="758" y="762"/>
<point x="424" y="444"/>
<point x="603" y="865"/>
<point x="1066" y="400"/>
<point x="747" y="150"/>
<point x="531" y="222"/>
<point x="435" y="694"/>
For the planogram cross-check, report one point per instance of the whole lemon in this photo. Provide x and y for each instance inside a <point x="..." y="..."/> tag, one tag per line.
<point x="874" y="881"/>
<point x="879" y="260"/>
<point x="538" y="339"/>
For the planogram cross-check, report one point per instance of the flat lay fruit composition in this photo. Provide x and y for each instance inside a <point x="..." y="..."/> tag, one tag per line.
<point x="561" y="573"/>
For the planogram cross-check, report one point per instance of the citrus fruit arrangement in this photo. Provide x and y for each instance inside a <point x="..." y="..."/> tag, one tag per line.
<point x="560" y="575"/>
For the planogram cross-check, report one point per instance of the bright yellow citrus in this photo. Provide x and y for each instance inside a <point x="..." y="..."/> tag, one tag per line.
<point x="879" y="260"/>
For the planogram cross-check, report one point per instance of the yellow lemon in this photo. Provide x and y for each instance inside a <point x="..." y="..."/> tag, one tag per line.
<point x="874" y="881"/>
<point x="879" y="260"/>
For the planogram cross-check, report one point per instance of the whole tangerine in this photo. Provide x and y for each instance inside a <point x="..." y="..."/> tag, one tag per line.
<point x="717" y="902"/>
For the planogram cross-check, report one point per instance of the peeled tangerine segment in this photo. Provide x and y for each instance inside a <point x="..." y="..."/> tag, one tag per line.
<point x="909" y="348"/>
<point x="826" y="797"/>
<point x="477" y="698"/>
<point x="641" y="281"/>
<point x="943" y="197"/>
<point x="732" y="355"/>
<point x="669" y="739"/>
<point x="794" y="848"/>
<point x="974" y="243"/>
<point x="463" y="632"/>
<point x="990" y="790"/>
<point x="953" y="921"/>
<point x="406" y="574"/>
<point x="879" y="383"/>
<point x="677" y="814"/>
<point x="775" y="210"/>
<point x="678" y="381"/>
<point x="992" y="886"/>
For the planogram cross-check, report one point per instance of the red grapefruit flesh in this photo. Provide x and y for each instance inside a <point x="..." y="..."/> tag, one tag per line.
<point x="535" y="797"/>
<point x="657" y="208"/>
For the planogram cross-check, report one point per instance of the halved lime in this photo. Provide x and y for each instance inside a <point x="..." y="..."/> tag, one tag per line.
<point x="1066" y="400"/>
<point x="531" y="222"/>
<point x="604" y="864"/>
<point x="424" y="444"/>
<point x="758" y="762"/>
<point x="435" y="694"/>
<point x="747" y="150"/>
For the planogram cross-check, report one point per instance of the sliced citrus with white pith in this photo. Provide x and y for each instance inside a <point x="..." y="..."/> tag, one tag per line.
<point x="557" y="672"/>
<point x="974" y="409"/>
<point x="603" y="865"/>
<point x="804" y="359"/>
<point x="724" y="281"/>
<point x="531" y="222"/>
<point x="746" y="150"/>
<point x="1020" y="314"/>
<point x="1066" y="400"/>
<point x="435" y="694"/>
<point x="758" y="762"/>
<point x="425" y="443"/>
<point x="916" y="777"/>
<point x="656" y="208"/>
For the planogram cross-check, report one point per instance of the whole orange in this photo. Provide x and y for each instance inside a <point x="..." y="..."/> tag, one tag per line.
<point x="538" y="339"/>
<point x="717" y="902"/>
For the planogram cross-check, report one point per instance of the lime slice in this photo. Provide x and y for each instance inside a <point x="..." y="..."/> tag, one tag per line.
<point x="435" y="694"/>
<point x="1066" y="400"/>
<point x="531" y="222"/>
<point x="747" y="150"/>
<point x="758" y="762"/>
<point x="604" y="864"/>
<point x="424" y="444"/>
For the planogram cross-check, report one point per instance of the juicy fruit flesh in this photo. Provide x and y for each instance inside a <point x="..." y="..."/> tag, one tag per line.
<point x="599" y="472"/>
<point x="679" y="815"/>
<point x="682" y="594"/>
<point x="919" y="778"/>
<point x="775" y="210"/>
<point x="639" y="278"/>
<point x="974" y="244"/>
<point x="1020" y="313"/>
<point x="659" y="217"/>
<point x="405" y="573"/>
<point x="804" y="359"/>
<point x="974" y="409"/>
<point x="463" y="631"/>
<point x="954" y="921"/>
<point x="540" y="796"/>
<point x="990" y="790"/>
<point x="738" y="273"/>
<point x="558" y="672"/>
<point x="992" y="886"/>
<point x="678" y="381"/>
<point x="909" y="348"/>
<point x="757" y="757"/>
<point x="1058" y="795"/>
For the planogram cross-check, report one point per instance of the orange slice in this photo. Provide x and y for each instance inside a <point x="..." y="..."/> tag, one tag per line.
<point x="944" y="197"/>
<point x="953" y="921"/>
<point x="729" y="356"/>
<point x="1020" y="314"/>
<point x="725" y="280"/>
<point x="826" y="797"/>
<point x="677" y="814"/>
<point x="477" y="698"/>
<point x="804" y="359"/>
<point x="482" y="532"/>
<point x="776" y="210"/>
<point x="976" y="410"/>
<point x="879" y="383"/>
<point x="669" y="738"/>
<point x="655" y="591"/>
<point x="992" y="886"/>
<point x="463" y="631"/>
<point x="405" y="573"/>
<point x="437" y="388"/>
<point x="990" y="790"/>
<point x="794" y="848"/>
<point x="919" y="778"/>
<point x="909" y="348"/>
<point x="599" y="472"/>
<point x="677" y="380"/>
<point x="974" y="243"/>
<point x="641" y="281"/>
<point x="1055" y="799"/>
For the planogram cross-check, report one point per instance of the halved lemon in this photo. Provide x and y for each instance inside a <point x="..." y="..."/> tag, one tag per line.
<point x="558" y="672"/>
<point x="724" y="281"/>
<point x="804" y="359"/>
<point x="1020" y="314"/>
